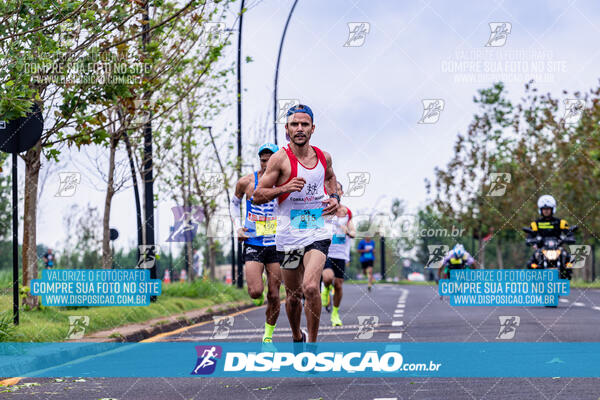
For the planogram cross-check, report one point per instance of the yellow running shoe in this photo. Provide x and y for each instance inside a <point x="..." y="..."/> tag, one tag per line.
<point x="335" y="319"/>
<point x="259" y="301"/>
<point x="267" y="345"/>
<point x="325" y="296"/>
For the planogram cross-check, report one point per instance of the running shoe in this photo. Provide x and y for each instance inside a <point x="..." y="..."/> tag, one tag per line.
<point x="325" y="297"/>
<point x="335" y="319"/>
<point x="259" y="301"/>
<point x="304" y="336"/>
<point x="299" y="345"/>
<point x="267" y="345"/>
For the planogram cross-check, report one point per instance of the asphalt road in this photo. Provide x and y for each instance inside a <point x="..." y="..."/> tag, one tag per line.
<point x="404" y="314"/>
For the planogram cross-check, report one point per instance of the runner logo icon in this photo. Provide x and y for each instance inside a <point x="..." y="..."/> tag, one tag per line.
<point x="499" y="32"/>
<point x="367" y="325"/>
<point x="432" y="109"/>
<point x="579" y="255"/>
<point x="207" y="359"/>
<point x="508" y="326"/>
<point x="223" y="325"/>
<point x="498" y="183"/>
<point x="436" y="255"/>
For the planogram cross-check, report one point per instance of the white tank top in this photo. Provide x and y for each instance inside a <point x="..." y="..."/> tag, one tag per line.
<point x="299" y="219"/>
<point x="340" y="242"/>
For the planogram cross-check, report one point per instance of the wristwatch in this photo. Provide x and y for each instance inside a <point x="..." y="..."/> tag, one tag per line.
<point x="335" y="196"/>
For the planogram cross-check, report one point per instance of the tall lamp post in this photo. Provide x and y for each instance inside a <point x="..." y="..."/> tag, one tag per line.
<point x="147" y="161"/>
<point x="240" y="272"/>
<point x="277" y="71"/>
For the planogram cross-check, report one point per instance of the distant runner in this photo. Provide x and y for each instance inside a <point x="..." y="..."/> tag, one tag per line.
<point x="366" y="248"/>
<point x="48" y="258"/>
<point x="339" y="255"/>
<point x="457" y="258"/>
<point x="306" y="195"/>
<point x="258" y="235"/>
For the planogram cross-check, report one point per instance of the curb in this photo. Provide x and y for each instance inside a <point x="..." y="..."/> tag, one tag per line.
<point x="149" y="330"/>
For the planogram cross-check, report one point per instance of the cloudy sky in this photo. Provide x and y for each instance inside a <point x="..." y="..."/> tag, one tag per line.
<point x="368" y="97"/>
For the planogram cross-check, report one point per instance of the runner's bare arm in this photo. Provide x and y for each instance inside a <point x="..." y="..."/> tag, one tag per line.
<point x="350" y="231"/>
<point x="265" y="191"/>
<point x="234" y="206"/>
<point x="240" y="187"/>
<point x="330" y="186"/>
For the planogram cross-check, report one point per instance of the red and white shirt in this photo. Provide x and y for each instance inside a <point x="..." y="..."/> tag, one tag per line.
<point x="299" y="219"/>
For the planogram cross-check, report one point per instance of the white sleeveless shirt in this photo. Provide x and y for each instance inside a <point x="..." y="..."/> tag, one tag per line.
<point x="299" y="219"/>
<point x="340" y="242"/>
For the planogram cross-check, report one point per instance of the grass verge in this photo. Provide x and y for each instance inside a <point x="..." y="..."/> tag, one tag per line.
<point x="51" y="324"/>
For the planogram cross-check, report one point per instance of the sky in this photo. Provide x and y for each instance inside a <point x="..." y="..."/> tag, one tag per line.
<point x="367" y="99"/>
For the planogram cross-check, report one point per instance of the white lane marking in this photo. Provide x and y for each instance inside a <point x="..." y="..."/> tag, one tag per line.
<point x="563" y="300"/>
<point x="578" y="304"/>
<point x="261" y="330"/>
<point x="386" y="398"/>
<point x="398" y="313"/>
<point x="596" y="308"/>
<point x="287" y="337"/>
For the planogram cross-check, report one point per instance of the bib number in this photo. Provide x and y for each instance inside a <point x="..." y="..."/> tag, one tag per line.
<point x="338" y="239"/>
<point x="266" y="228"/>
<point x="307" y="219"/>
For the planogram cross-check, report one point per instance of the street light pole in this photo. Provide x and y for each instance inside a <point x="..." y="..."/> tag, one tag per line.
<point x="148" y="176"/>
<point x="240" y="272"/>
<point x="15" y="238"/>
<point x="277" y="71"/>
<point x="136" y="194"/>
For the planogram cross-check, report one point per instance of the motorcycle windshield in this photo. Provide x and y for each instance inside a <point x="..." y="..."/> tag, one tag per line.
<point x="550" y="243"/>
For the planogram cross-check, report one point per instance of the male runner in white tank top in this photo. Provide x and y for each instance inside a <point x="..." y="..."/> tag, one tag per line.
<point x="304" y="179"/>
<point x="334" y="272"/>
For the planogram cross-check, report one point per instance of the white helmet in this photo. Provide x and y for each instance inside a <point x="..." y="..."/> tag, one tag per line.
<point x="546" y="201"/>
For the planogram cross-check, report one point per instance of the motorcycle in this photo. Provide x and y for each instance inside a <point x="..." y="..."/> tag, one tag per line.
<point x="550" y="254"/>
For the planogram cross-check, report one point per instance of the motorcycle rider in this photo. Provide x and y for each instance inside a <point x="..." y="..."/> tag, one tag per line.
<point x="548" y="226"/>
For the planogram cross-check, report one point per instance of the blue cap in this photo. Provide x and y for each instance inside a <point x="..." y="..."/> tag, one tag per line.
<point x="268" y="146"/>
<point x="301" y="108"/>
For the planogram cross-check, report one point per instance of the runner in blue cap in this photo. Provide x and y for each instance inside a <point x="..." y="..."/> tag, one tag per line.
<point x="301" y="178"/>
<point x="258" y="235"/>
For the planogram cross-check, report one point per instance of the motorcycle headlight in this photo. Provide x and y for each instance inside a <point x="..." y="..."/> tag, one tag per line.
<point x="551" y="255"/>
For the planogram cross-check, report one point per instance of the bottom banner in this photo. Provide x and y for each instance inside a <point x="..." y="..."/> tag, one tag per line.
<point x="323" y="359"/>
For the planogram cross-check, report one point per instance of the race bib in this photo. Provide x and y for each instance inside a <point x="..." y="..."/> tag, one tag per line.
<point x="338" y="239"/>
<point x="307" y="219"/>
<point x="266" y="228"/>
